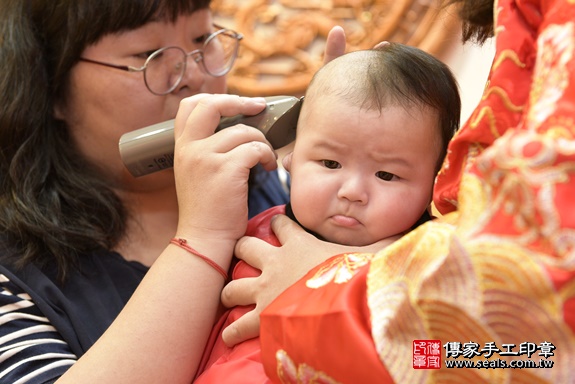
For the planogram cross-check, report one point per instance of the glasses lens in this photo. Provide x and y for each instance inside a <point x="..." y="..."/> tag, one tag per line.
<point x="165" y="70"/>
<point x="220" y="52"/>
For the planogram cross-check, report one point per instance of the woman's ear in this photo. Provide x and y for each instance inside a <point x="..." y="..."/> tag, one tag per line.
<point x="58" y="111"/>
<point x="286" y="161"/>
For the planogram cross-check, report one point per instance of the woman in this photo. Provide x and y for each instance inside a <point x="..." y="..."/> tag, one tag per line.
<point x="77" y="232"/>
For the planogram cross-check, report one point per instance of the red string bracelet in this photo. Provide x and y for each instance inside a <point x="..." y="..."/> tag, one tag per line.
<point x="183" y="243"/>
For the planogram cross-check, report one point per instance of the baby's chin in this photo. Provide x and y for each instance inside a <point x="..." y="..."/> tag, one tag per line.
<point x="349" y="239"/>
<point x="357" y="238"/>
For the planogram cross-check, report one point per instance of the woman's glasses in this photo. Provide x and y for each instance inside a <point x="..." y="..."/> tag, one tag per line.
<point x="165" y="68"/>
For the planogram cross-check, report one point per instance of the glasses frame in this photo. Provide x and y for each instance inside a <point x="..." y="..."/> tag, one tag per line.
<point x="197" y="54"/>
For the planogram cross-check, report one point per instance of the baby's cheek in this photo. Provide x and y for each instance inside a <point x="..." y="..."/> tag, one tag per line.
<point x="397" y="213"/>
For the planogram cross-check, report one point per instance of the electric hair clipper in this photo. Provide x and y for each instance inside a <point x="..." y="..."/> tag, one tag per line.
<point x="151" y="149"/>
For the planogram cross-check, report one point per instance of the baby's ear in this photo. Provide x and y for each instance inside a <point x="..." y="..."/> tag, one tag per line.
<point x="286" y="161"/>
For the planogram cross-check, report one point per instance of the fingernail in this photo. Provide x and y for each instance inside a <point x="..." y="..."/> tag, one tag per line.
<point x="381" y="44"/>
<point x="258" y="100"/>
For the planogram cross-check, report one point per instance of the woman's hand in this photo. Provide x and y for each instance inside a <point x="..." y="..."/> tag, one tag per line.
<point x="281" y="267"/>
<point x="335" y="44"/>
<point x="212" y="170"/>
<point x="161" y="333"/>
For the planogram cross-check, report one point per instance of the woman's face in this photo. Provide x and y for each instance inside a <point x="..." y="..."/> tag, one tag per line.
<point x="104" y="103"/>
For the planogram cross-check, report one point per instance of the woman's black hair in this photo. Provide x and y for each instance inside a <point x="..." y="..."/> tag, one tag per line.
<point x="477" y="19"/>
<point x="54" y="205"/>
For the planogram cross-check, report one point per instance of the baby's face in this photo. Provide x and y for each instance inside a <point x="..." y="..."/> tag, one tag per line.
<point x="360" y="176"/>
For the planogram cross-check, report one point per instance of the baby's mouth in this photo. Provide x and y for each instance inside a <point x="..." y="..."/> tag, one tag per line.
<point x="345" y="221"/>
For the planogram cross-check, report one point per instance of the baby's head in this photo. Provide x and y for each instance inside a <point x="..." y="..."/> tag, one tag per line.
<point x="372" y="135"/>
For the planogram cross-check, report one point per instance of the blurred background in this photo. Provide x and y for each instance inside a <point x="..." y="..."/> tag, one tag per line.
<point x="284" y="40"/>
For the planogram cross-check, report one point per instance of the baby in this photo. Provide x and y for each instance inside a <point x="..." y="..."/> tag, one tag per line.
<point x="371" y="137"/>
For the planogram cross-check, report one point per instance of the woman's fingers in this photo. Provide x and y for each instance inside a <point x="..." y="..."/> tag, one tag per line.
<point x="197" y="120"/>
<point x="240" y="292"/>
<point x="381" y="44"/>
<point x="286" y="230"/>
<point x="251" y="250"/>
<point x="245" y="328"/>
<point x="212" y="170"/>
<point x="335" y="44"/>
<point x="242" y="138"/>
<point x="199" y="115"/>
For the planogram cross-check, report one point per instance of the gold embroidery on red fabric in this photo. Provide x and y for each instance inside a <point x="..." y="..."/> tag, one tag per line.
<point x="339" y="270"/>
<point x="505" y="97"/>
<point x="289" y="373"/>
<point x="551" y="76"/>
<point x="484" y="273"/>
<point x="434" y="284"/>
<point x="478" y="118"/>
<point x="526" y="191"/>
<point x="568" y="291"/>
<point x="508" y="54"/>
<point x="497" y="28"/>
<point x="561" y="127"/>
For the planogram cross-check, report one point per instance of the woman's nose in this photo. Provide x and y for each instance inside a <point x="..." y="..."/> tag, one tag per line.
<point x="193" y="77"/>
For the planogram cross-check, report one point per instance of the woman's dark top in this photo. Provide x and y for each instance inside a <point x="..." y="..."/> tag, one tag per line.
<point x="45" y="327"/>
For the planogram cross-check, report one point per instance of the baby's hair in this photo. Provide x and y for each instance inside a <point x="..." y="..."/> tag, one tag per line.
<point x="393" y="74"/>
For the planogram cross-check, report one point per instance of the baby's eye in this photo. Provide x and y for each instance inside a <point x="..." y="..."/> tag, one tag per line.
<point x="385" y="175"/>
<point x="331" y="164"/>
